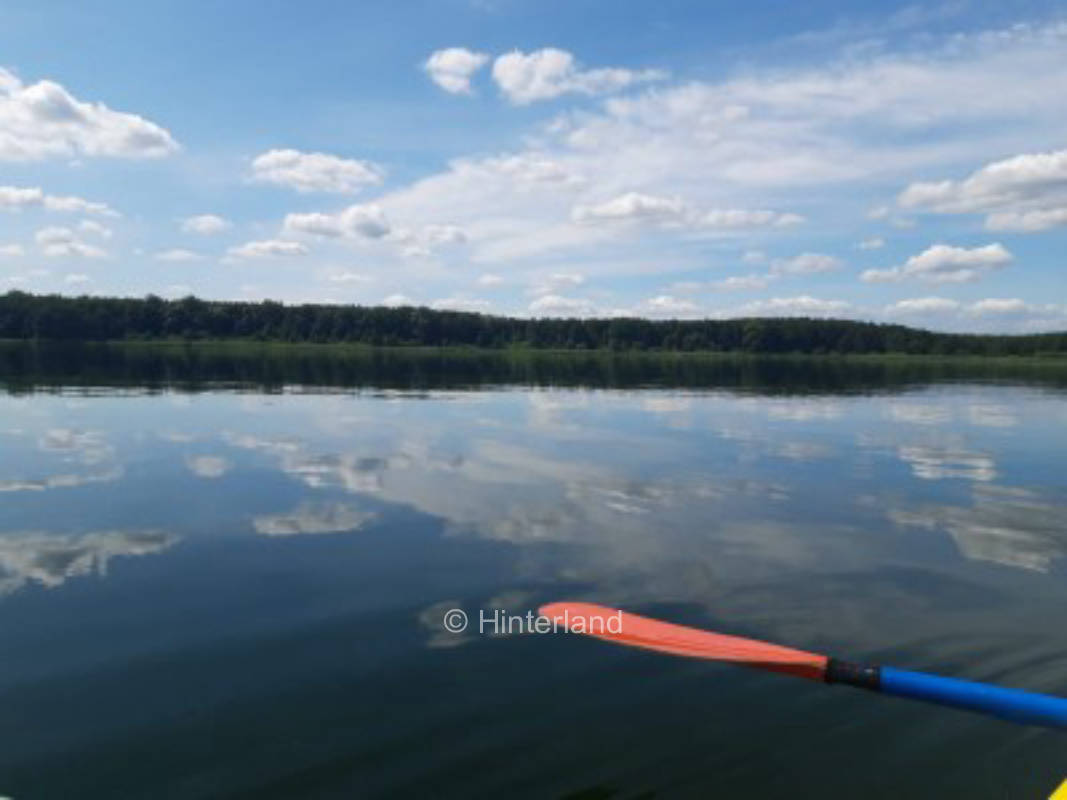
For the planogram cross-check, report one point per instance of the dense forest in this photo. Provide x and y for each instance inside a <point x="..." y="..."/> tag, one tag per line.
<point x="54" y="317"/>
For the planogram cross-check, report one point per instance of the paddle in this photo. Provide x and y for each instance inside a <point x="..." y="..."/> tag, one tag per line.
<point x="1016" y="705"/>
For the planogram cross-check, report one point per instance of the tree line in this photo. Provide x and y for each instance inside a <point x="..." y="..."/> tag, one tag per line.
<point x="55" y="317"/>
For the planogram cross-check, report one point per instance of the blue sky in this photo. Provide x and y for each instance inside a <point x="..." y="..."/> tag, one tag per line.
<point x="880" y="161"/>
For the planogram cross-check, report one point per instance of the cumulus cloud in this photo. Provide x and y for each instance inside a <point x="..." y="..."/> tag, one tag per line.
<point x="1015" y="308"/>
<point x="205" y="224"/>
<point x="1025" y="193"/>
<point x="11" y="250"/>
<point x="942" y="263"/>
<point x="1000" y="305"/>
<point x="58" y="242"/>
<point x="15" y="198"/>
<point x="453" y="67"/>
<point x="545" y="74"/>
<point x="314" y="172"/>
<point x="268" y="248"/>
<point x="631" y="206"/>
<point x="43" y="120"/>
<point x="873" y="243"/>
<point x="921" y="305"/>
<point x="638" y="206"/>
<point x="355" y="222"/>
<point x="1040" y="219"/>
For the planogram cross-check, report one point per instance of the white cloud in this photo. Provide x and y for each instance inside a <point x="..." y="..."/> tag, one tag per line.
<point x="57" y="242"/>
<point x="922" y="305"/>
<point x="554" y="305"/>
<point x="348" y="276"/>
<point x="268" y="248"/>
<point x="637" y="206"/>
<point x="95" y="228"/>
<point x="489" y="279"/>
<point x="77" y="205"/>
<point x="942" y="263"/>
<point x="452" y="68"/>
<point x="357" y="221"/>
<point x="421" y="243"/>
<point x="741" y="218"/>
<point x="802" y="305"/>
<point x="1027" y="221"/>
<point x="631" y="206"/>
<point x="824" y="139"/>
<point x="43" y="120"/>
<point x="11" y="250"/>
<point x="398" y="300"/>
<point x="177" y="254"/>
<point x="1025" y="193"/>
<point x="526" y="169"/>
<point x="873" y="243"/>
<point x="459" y="303"/>
<point x="805" y="264"/>
<point x="548" y="73"/>
<point x="77" y="278"/>
<point x="998" y="305"/>
<point x="556" y="281"/>
<point x="314" y="172"/>
<point x="15" y="198"/>
<point x="443" y="234"/>
<point x="666" y="305"/>
<point x="205" y="224"/>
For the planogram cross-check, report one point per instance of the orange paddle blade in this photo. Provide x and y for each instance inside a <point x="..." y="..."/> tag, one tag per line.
<point x="651" y="634"/>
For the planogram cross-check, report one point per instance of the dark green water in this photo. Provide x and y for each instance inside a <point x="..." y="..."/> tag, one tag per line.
<point x="225" y="576"/>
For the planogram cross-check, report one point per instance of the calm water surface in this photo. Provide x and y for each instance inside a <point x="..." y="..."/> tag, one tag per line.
<point x="239" y="593"/>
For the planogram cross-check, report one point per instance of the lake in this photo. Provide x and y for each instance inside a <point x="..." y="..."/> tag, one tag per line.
<point x="224" y="574"/>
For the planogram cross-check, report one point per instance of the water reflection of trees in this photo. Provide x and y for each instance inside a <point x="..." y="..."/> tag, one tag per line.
<point x="191" y="367"/>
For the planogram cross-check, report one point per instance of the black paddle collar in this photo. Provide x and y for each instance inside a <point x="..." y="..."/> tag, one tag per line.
<point x="861" y="675"/>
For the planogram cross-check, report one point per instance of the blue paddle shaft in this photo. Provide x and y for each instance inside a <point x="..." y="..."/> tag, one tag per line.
<point x="1029" y="708"/>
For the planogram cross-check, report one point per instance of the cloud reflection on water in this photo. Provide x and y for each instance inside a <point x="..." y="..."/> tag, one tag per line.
<point x="50" y="559"/>
<point x="1005" y="525"/>
<point x="313" y="518"/>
